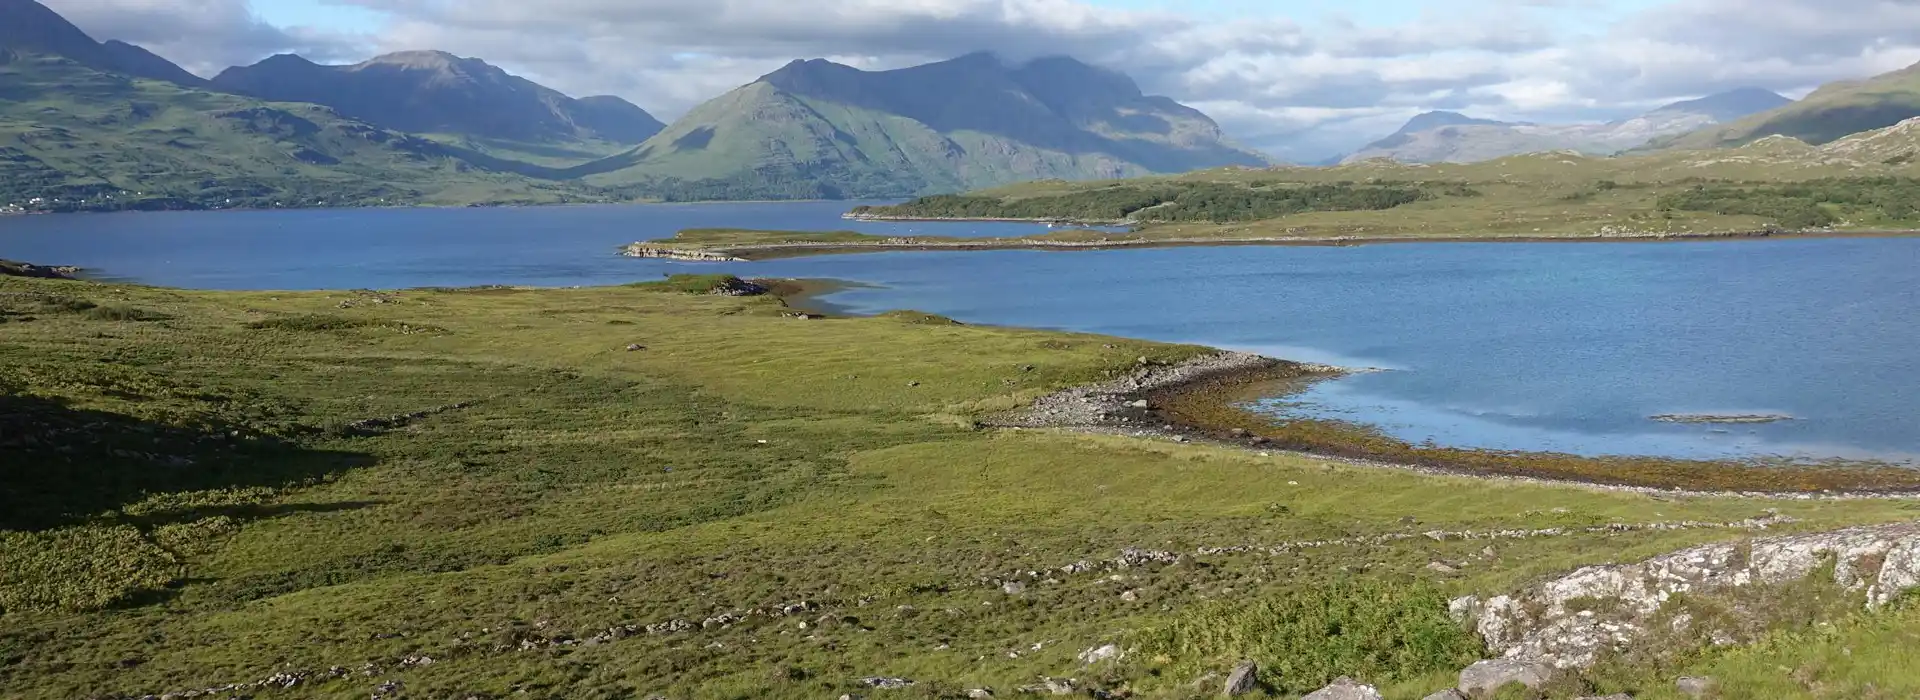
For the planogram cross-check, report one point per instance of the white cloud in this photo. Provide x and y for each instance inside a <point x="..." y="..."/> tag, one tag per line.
<point x="1306" y="87"/>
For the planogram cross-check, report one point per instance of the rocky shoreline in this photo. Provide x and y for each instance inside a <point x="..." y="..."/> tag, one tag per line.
<point x="640" y="250"/>
<point x="1135" y="405"/>
<point x="11" y="268"/>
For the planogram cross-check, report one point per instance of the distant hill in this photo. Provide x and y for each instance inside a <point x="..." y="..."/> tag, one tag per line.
<point x="30" y="27"/>
<point x="1830" y="113"/>
<point x="1438" y="137"/>
<point x="817" y="128"/>
<point x="433" y="92"/>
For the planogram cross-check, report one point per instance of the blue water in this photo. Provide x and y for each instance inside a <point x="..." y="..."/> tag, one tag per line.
<point x="1567" y="347"/>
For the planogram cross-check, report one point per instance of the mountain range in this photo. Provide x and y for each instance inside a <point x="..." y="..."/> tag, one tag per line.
<point x="974" y="121"/>
<point x="433" y="92"/>
<point x="111" y="125"/>
<point x="1448" y="137"/>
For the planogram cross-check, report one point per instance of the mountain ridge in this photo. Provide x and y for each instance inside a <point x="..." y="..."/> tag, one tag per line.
<point x="963" y="123"/>
<point x="27" y="25"/>
<point x="1461" y="139"/>
<point x="434" y="92"/>
<point x="1831" y="112"/>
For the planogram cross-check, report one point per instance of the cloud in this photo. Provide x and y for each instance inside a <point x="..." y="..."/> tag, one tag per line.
<point x="1306" y="87"/>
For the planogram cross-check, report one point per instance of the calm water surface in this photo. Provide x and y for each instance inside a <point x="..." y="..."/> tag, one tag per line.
<point x="1567" y="347"/>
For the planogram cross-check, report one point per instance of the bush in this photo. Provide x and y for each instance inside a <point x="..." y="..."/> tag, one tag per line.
<point x="1302" y="639"/>
<point x="309" y="323"/>
<point x="123" y="313"/>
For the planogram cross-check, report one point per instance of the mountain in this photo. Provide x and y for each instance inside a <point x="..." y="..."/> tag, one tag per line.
<point x="433" y="92"/>
<point x="817" y="128"/>
<point x="1453" y="138"/>
<point x="1829" y="113"/>
<point x="28" y="26"/>
<point x="1427" y="121"/>
<point x="80" y="138"/>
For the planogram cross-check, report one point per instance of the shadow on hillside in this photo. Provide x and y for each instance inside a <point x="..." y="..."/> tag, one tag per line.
<point x="59" y="464"/>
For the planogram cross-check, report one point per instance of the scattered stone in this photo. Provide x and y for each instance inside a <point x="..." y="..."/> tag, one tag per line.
<point x="1142" y="403"/>
<point x="1013" y="588"/>
<point x="886" y="683"/>
<point x="1098" y="654"/>
<point x="1242" y="679"/>
<point x="1695" y="686"/>
<point x="1487" y="677"/>
<point x="1440" y="567"/>
<point x="1345" y="688"/>
<point x="1448" y="694"/>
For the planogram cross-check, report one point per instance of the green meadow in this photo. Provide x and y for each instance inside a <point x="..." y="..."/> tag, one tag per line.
<point x="627" y="491"/>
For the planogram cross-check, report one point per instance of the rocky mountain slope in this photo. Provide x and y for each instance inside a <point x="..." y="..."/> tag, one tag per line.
<point x="28" y="26"/>
<point x="974" y="121"/>
<point x="1832" y="112"/>
<point x="1459" y="139"/>
<point x="433" y="92"/>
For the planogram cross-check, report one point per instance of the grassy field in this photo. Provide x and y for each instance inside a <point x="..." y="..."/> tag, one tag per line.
<point x="494" y="492"/>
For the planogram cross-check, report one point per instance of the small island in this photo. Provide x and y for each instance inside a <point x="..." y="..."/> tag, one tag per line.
<point x="1722" y="417"/>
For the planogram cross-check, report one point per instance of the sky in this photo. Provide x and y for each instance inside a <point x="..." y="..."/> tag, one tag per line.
<point x="1301" y="79"/>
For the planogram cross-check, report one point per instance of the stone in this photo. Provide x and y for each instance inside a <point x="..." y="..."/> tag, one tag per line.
<point x="886" y="683"/>
<point x="1345" y="689"/>
<point x="1695" y="686"/>
<point x="1242" y="679"/>
<point x="1130" y="595"/>
<point x="1013" y="588"/>
<point x="1615" y="696"/>
<point x="1098" y="654"/>
<point x="636" y="347"/>
<point x="1448" y="694"/>
<point x="1487" y="677"/>
<point x="1440" y="567"/>
<point x="1554" y="621"/>
<point x="1142" y="403"/>
<point x="980" y="693"/>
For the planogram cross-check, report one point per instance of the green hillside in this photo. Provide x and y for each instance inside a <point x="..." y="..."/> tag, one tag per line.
<point x="97" y="140"/>
<point x="822" y="129"/>
<point x="1832" y="112"/>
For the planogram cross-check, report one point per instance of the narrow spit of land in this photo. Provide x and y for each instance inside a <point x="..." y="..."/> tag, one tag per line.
<point x="728" y="245"/>
<point x="689" y="488"/>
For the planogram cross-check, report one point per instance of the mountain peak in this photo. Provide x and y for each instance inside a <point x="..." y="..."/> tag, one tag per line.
<point x="26" y="25"/>
<point x="1730" y="105"/>
<point x="425" y="59"/>
<point x="1426" y="121"/>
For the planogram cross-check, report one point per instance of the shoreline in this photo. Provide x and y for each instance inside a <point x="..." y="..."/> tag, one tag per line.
<point x="748" y="252"/>
<point x="1198" y="402"/>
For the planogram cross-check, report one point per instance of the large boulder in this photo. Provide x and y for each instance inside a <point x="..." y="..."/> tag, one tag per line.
<point x="1487" y="677"/>
<point x="1242" y="680"/>
<point x="1571" y="621"/>
<point x="1345" y="689"/>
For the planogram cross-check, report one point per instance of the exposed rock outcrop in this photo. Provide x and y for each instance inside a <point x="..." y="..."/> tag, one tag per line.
<point x="1345" y="689"/>
<point x="10" y="268"/>
<point x="1571" y="621"/>
<point x="643" y="250"/>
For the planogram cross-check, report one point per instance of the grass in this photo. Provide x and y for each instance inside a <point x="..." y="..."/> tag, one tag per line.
<point x="179" y="513"/>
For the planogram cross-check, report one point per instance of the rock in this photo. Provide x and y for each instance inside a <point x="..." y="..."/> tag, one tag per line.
<point x="1615" y="696"/>
<point x="1345" y="689"/>
<point x="980" y="693"/>
<point x="886" y="683"/>
<point x="1695" y="686"/>
<point x="1440" y="567"/>
<point x="1242" y="680"/>
<point x="1013" y="588"/>
<point x="1142" y="403"/>
<point x="1487" y="677"/>
<point x="636" y="347"/>
<point x="1556" y="622"/>
<point x="1130" y="595"/>
<point x="1448" y="694"/>
<point x="1098" y="654"/>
